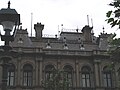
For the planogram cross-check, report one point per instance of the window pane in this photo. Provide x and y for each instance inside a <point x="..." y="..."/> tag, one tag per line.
<point x="69" y="70"/>
<point x="87" y="76"/>
<point x="69" y="75"/>
<point x="70" y="79"/>
<point x="83" y="83"/>
<point x="27" y="79"/>
<point x="86" y="80"/>
<point x="109" y="82"/>
<point x="27" y="75"/>
<point x="105" y="82"/>
<point x="83" y="75"/>
<point x="11" y="77"/>
<point x="107" y="79"/>
<point x="88" y="83"/>
<point x="104" y="76"/>
<point x="11" y="81"/>
<point x="47" y="76"/>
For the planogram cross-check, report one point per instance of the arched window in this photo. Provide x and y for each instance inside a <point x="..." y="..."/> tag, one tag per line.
<point x="107" y="77"/>
<point x="69" y="74"/>
<point x="27" y="75"/>
<point x="11" y="75"/>
<point x="86" y="76"/>
<point x="119" y="74"/>
<point x="49" y="71"/>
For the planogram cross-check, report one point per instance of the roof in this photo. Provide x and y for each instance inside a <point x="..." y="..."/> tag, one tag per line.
<point x="8" y="11"/>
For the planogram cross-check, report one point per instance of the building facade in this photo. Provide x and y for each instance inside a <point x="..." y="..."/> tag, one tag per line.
<point x="82" y="55"/>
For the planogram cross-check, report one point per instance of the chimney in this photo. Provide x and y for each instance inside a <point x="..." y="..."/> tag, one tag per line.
<point x="38" y="29"/>
<point x="103" y="41"/>
<point x="87" y="33"/>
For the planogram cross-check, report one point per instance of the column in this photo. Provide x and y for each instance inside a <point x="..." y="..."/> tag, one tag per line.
<point x="37" y="74"/>
<point x="77" y="74"/>
<point x="40" y="71"/>
<point x="18" y="74"/>
<point x="97" y="74"/>
<point x="58" y="63"/>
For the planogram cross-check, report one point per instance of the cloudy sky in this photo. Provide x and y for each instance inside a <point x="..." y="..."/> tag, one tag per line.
<point x="71" y="13"/>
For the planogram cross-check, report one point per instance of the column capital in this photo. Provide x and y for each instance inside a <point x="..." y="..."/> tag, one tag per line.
<point x="97" y="61"/>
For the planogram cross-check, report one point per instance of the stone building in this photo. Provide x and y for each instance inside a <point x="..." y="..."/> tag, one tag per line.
<point x="81" y="54"/>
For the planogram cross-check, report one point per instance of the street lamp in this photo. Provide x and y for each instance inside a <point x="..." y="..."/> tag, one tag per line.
<point x="9" y="19"/>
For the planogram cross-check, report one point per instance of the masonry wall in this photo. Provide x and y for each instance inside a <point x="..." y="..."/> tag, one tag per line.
<point x="46" y="57"/>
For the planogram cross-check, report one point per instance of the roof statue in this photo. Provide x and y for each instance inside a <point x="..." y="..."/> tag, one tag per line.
<point x="9" y="4"/>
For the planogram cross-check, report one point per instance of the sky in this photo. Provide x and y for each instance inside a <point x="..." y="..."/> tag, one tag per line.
<point x="71" y="13"/>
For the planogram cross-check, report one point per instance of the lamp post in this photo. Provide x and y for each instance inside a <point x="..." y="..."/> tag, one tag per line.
<point x="9" y="19"/>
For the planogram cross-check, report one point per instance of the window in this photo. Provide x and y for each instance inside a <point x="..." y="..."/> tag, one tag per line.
<point x="69" y="74"/>
<point x="86" y="76"/>
<point x="119" y="75"/>
<point x="48" y="71"/>
<point x="27" y="75"/>
<point x="107" y="78"/>
<point x="11" y="75"/>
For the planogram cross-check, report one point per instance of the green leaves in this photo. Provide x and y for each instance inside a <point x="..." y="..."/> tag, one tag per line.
<point x="57" y="81"/>
<point x="113" y="16"/>
<point x="116" y="4"/>
<point x="114" y="23"/>
<point x="110" y="20"/>
<point x="108" y="14"/>
<point x="115" y="42"/>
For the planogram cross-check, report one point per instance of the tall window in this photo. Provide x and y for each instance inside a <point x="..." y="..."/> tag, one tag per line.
<point x="107" y="77"/>
<point x="11" y="75"/>
<point x="48" y="71"/>
<point x="119" y="75"/>
<point x="86" y="76"/>
<point x="27" y="75"/>
<point x="69" y="74"/>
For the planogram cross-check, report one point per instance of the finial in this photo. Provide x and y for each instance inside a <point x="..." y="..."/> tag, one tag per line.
<point x="9" y="4"/>
<point x="103" y="30"/>
<point x="88" y="19"/>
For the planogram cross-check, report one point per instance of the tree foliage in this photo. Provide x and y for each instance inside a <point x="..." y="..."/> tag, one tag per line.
<point x="57" y="81"/>
<point x="114" y="49"/>
<point x="113" y="16"/>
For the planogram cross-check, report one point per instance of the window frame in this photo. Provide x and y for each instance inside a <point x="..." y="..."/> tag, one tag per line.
<point x="107" y="77"/>
<point x="27" y="75"/>
<point x="48" y="71"/>
<point x="86" y="80"/>
<point x="11" y="75"/>
<point x="69" y="72"/>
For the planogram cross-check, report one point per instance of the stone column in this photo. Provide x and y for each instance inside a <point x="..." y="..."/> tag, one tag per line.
<point x="58" y="64"/>
<point x="18" y="74"/>
<point x="40" y="71"/>
<point x="37" y="74"/>
<point x="97" y="73"/>
<point x="77" y="74"/>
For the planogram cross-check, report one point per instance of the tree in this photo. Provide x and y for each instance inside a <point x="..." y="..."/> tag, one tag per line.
<point x="113" y="16"/>
<point x="56" y="81"/>
<point x="114" y="48"/>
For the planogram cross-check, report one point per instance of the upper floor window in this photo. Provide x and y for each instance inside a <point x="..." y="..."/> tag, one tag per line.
<point x="86" y="76"/>
<point x="11" y="75"/>
<point x="107" y="77"/>
<point x="69" y="74"/>
<point x="49" y="71"/>
<point x="119" y="75"/>
<point x="27" y="75"/>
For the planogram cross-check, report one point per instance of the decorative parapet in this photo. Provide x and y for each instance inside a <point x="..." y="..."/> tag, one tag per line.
<point x="60" y="52"/>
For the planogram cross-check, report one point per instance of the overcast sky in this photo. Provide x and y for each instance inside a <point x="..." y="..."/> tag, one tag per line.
<point x="71" y="13"/>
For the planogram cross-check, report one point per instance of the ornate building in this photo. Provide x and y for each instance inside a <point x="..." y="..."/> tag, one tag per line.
<point x="81" y="54"/>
